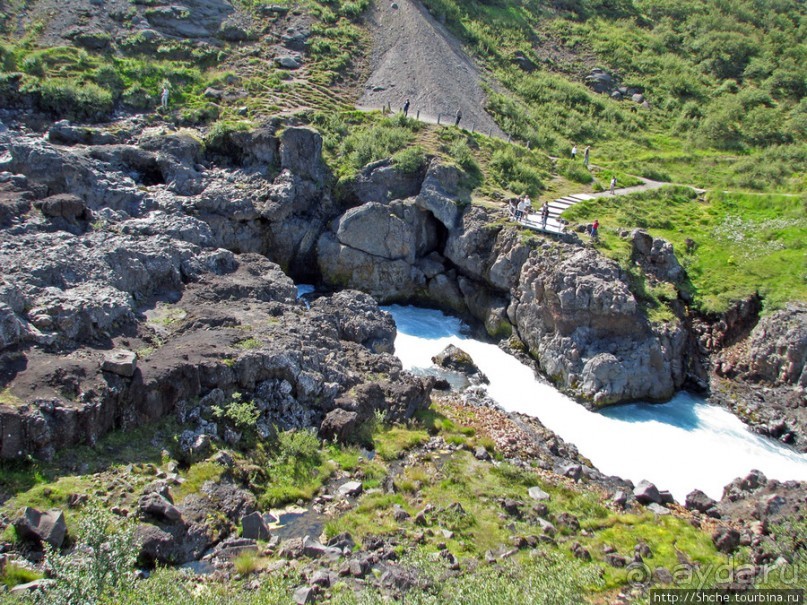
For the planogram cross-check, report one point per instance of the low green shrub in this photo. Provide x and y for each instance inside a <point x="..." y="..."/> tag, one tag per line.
<point x="74" y="100"/>
<point x="410" y="160"/>
<point x="575" y="171"/>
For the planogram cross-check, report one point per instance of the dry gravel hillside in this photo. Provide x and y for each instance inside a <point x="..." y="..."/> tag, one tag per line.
<point x="414" y="57"/>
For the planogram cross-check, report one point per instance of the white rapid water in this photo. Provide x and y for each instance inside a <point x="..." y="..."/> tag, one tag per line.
<point x="680" y="445"/>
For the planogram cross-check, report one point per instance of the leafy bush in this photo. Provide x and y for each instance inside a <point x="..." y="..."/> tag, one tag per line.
<point x="374" y="142"/>
<point x="516" y="171"/>
<point x="242" y="415"/>
<point x="137" y="98"/>
<point x="574" y="171"/>
<point x="295" y="468"/>
<point x="410" y="160"/>
<point x="71" y="99"/>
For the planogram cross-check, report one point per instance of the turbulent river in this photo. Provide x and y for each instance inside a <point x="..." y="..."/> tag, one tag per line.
<point x="680" y="445"/>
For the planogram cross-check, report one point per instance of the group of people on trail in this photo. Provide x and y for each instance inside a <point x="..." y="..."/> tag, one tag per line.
<point x="457" y="116"/>
<point x="586" y="154"/>
<point x="522" y="208"/>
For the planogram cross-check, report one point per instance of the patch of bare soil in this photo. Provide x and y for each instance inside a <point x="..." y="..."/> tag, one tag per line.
<point x="416" y="58"/>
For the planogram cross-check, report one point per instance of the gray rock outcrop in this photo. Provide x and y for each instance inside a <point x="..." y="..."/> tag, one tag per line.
<point x="575" y="311"/>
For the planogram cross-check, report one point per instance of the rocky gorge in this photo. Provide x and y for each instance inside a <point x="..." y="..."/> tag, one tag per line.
<point x="149" y="276"/>
<point x="143" y="236"/>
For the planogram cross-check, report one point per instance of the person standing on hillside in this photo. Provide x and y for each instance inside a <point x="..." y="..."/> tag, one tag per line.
<point x="459" y="117"/>
<point x="406" y="108"/>
<point x="613" y="185"/>
<point x="164" y="97"/>
<point x="595" y="226"/>
<point x="585" y="156"/>
<point x="574" y="152"/>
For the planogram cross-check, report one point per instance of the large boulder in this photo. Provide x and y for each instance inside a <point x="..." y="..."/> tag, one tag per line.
<point x="444" y="193"/>
<point x="340" y="425"/>
<point x="374" y="248"/>
<point x="656" y="257"/>
<point x="38" y="527"/>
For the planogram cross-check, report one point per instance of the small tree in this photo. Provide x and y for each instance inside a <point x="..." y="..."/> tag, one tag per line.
<point x="99" y="566"/>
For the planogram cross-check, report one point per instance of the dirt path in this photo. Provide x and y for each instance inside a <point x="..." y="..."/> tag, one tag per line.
<point x="415" y="58"/>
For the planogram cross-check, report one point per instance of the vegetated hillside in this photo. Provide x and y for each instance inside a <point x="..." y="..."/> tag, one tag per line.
<point x="725" y="82"/>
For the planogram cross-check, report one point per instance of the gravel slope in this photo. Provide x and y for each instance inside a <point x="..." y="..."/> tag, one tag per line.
<point x="415" y="57"/>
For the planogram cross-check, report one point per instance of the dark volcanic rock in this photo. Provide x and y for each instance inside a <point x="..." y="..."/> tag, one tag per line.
<point x="38" y="527"/>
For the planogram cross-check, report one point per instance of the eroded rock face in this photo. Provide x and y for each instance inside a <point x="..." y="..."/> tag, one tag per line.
<point x="574" y="310"/>
<point x="778" y="347"/>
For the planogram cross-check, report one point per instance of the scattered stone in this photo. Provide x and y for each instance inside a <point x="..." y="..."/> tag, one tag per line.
<point x="350" y="489"/>
<point x="699" y="501"/>
<point x="666" y="497"/>
<point x="312" y="548"/>
<point x="340" y="424"/>
<point x="359" y="567"/>
<point x="580" y="552"/>
<point x="234" y="546"/>
<point x="254" y="527"/>
<point x="546" y="527"/>
<point x="287" y="62"/>
<point x="658" y="509"/>
<point x="536" y="493"/>
<point x="120" y="362"/>
<point x="615" y="560"/>
<point x="572" y="471"/>
<point x="620" y="498"/>
<point x="726" y="539"/>
<point x="158" y="506"/>
<point x="646" y="493"/>
<point x="321" y="578"/>
<point x="512" y="507"/>
<point x="399" y="514"/>
<point x="304" y="595"/>
<point x="662" y="575"/>
<point x="480" y="453"/>
<point x="569" y="522"/>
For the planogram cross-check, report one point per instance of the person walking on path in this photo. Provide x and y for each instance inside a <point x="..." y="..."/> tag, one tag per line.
<point x="459" y="117"/>
<point x="164" y="97"/>
<point x="613" y="185"/>
<point x="406" y="108"/>
<point x="585" y="156"/>
<point x="574" y="152"/>
<point x="544" y="214"/>
<point x="521" y="209"/>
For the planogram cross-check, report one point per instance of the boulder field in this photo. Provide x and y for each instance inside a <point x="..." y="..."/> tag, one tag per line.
<point x="144" y="273"/>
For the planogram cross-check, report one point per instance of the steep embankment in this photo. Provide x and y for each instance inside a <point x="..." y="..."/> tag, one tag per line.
<point x="416" y="58"/>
